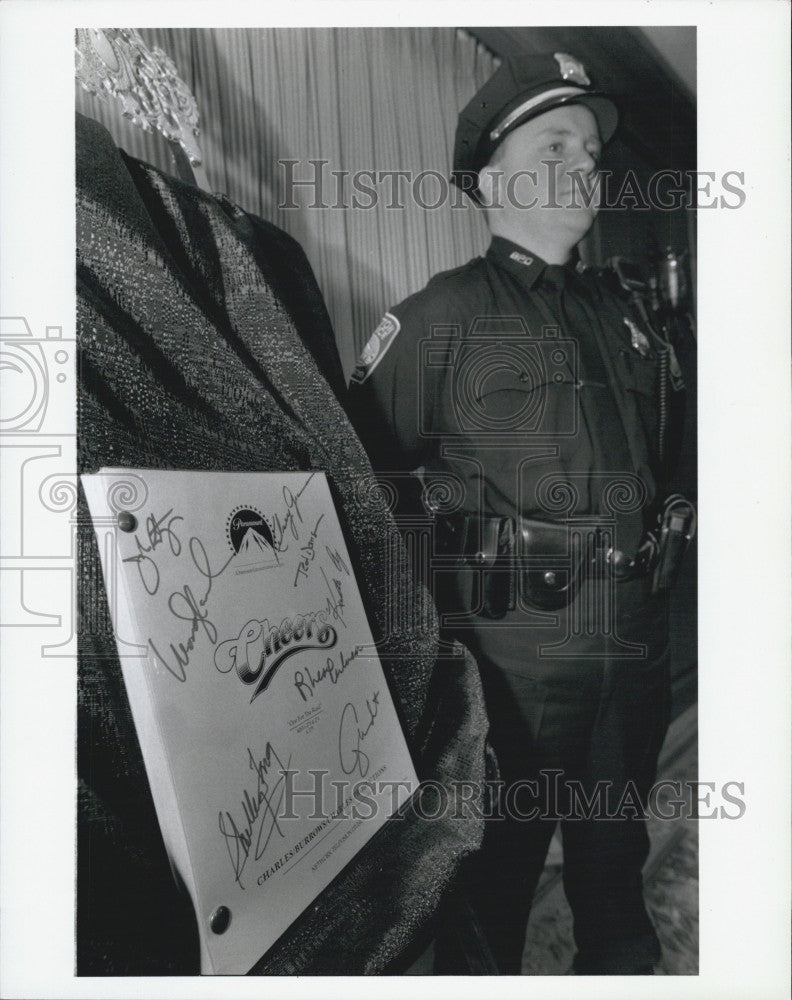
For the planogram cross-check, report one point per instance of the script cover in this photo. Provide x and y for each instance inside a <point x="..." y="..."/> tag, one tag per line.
<point x="270" y="739"/>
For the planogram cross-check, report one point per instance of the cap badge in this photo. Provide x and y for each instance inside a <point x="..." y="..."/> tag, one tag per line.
<point x="572" y="69"/>
<point x="638" y="338"/>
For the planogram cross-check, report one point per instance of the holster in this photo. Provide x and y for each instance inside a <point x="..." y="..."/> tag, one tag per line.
<point x="550" y="572"/>
<point x="500" y="556"/>
<point x="677" y="528"/>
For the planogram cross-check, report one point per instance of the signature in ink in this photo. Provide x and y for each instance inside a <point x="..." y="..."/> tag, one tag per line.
<point x="351" y="755"/>
<point x="157" y="530"/>
<point x="291" y="520"/>
<point x="306" y="681"/>
<point x="338" y="561"/>
<point x="307" y="552"/>
<point x="334" y="604"/>
<point x="260" y="809"/>
<point x="185" y="606"/>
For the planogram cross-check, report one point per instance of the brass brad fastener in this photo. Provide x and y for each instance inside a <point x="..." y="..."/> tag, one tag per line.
<point x="126" y="520"/>
<point x="220" y="919"/>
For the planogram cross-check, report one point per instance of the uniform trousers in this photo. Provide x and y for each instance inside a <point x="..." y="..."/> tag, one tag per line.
<point x="577" y="740"/>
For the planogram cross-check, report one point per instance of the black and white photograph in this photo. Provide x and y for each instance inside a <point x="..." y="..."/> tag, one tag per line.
<point x="393" y="522"/>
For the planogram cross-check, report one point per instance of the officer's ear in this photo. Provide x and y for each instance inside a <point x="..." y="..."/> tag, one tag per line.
<point x="491" y="182"/>
<point x="488" y="184"/>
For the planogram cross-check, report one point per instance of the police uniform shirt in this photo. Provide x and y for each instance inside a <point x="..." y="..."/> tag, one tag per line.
<point x="526" y="382"/>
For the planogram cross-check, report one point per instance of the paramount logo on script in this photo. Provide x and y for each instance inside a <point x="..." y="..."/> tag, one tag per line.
<point x="250" y="537"/>
<point x="253" y="545"/>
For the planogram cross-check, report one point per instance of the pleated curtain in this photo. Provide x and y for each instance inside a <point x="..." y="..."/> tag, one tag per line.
<point x="360" y="99"/>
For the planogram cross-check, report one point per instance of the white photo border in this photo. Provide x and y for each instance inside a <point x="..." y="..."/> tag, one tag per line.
<point x="744" y="474"/>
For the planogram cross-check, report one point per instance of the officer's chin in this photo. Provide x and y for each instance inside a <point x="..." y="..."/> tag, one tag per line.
<point x="578" y="220"/>
<point x="584" y="196"/>
<point x="588" y="213"/>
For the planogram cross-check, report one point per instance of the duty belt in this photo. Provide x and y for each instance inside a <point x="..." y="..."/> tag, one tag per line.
<point x="548" y="561"/>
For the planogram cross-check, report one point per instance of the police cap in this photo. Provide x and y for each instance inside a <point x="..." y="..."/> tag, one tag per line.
<point x="521" y="89"/>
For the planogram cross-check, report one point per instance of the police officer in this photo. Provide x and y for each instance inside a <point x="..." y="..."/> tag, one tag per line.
<point x="533" y="397"/>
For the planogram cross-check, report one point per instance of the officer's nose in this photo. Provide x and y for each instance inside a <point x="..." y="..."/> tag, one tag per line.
<point x="587" y="159"/>
<point x="585" y="164"/>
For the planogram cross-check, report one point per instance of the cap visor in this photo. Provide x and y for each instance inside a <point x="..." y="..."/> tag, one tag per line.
<point x="602" y="107"/>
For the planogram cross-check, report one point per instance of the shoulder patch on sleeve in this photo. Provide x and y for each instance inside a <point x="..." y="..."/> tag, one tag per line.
<point x="376" y="348"/>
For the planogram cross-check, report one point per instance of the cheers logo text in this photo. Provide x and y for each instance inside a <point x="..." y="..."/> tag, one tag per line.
<point x="261" y="648"/>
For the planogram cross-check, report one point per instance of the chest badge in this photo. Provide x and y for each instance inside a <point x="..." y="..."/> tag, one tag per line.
<point x="638" y="339"/>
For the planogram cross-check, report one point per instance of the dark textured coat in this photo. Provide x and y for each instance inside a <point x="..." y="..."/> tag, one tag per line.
<point x="204" y="343"/>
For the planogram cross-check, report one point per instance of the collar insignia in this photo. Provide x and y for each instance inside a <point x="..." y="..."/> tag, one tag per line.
<point x="638" y="338"/>
<point x="572" y="69"/>
<point x="521" y="258"/>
